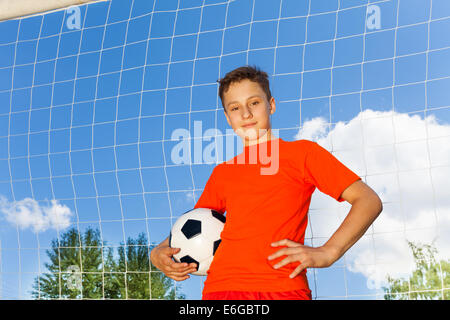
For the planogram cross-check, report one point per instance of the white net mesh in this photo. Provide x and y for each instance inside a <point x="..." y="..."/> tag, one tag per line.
<point x="90" y="98"/>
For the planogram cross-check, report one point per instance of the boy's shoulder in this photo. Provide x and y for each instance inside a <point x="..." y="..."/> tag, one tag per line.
<point x="300" y="146"/>
<point x="299" y="142"/>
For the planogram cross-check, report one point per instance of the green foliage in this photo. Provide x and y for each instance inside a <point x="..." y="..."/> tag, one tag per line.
<point x="430" y="279"/>
<point x="83" y="267"/>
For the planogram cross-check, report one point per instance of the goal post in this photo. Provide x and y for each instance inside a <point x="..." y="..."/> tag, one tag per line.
<point x="10" y="9"/>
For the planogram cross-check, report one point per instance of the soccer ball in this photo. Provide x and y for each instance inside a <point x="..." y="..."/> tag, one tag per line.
<point x="197" y="234"/>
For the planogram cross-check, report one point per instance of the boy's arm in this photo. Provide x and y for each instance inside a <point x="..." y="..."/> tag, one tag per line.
<point x="161" y="255"/>
<point x="366" y="206"/>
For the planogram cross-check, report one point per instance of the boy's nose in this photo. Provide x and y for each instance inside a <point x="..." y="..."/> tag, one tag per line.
<point x="246" y="113"/>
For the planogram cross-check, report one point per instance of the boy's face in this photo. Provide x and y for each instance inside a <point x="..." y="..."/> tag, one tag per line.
<point x="246" y="103"/>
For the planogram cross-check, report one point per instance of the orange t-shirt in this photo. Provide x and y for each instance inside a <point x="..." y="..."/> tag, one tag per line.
<point x="263" y="208"/>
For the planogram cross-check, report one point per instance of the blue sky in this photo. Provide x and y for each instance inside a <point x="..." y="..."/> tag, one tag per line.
<point x="86" y="115"/>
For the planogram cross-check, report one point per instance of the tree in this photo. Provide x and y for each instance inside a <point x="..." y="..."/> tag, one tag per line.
<point x="83" y="267"/>
<point x="75" y="263"/>
<point x="430" y="280"/>
<point x="141" y="276"/>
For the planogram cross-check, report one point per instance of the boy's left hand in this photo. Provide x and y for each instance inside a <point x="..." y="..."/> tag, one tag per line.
<point x="308" y="257"/>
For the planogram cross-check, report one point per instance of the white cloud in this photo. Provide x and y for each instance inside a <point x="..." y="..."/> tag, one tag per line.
<point x="406" y="160"/>
<point x="27" y="213"/>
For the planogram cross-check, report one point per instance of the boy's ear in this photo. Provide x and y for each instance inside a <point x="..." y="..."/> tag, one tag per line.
<point x="272" y="105"/>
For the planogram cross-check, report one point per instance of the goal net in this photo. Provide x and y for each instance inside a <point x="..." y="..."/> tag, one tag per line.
<point x="91" y="95"/>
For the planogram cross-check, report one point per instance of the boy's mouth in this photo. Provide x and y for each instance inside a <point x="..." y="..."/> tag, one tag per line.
<point x="249" y="125"/>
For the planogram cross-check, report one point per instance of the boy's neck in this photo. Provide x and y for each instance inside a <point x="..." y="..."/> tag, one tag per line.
<point x="266" y="137"/>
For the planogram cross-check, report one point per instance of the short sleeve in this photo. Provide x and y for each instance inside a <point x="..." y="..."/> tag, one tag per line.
<point x="212" y="196"/>
<point x="326" y="172"/>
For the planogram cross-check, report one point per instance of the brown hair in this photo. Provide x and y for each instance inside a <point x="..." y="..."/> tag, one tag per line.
<point x="251" y="73"/>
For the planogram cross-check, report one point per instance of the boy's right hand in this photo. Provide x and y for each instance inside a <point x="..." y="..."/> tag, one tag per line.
<point x="161" y="257"/>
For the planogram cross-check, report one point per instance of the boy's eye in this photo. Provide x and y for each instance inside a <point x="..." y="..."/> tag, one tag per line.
<point x="254" y="103"/>
<point x="234" y="108"/>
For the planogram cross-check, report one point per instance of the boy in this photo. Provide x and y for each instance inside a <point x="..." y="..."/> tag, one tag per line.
<point x="262" y="255"/>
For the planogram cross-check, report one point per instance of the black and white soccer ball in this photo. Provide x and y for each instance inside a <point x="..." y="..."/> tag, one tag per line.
<point x="197" y="234"/>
